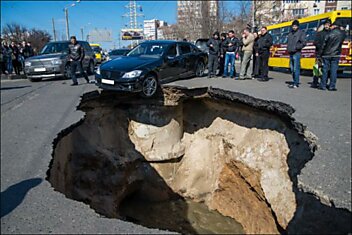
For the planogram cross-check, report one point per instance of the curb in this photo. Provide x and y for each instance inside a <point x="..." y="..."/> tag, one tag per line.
<point x="12" y="77"/>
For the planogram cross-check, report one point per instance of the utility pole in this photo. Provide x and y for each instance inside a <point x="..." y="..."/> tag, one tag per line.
<point x="82" y="33"/>
<point x="54" y="30"/>
<point x="67" y="29"/>
<point x="132" y="14"/>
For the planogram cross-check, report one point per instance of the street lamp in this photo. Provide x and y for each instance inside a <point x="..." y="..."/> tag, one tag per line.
<point x="66" y="16"/>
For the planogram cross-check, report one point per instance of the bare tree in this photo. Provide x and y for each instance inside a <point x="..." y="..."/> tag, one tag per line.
<point x="17" y="33"/>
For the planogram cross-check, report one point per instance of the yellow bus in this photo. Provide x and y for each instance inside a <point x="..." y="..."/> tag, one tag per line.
<point x="279" y="56"/>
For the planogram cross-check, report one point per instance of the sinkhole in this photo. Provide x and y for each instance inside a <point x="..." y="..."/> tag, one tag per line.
<point x="192" y="161"/>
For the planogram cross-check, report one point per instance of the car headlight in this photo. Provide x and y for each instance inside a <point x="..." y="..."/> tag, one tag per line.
<point x="27" y="64"/>
<point x="56" y="62"/>
<point x="132" y="74"/>
<point x="98" y="70"/>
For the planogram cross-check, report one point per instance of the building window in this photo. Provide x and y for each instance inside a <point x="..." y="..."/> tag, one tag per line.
<point x="317" y="1"/>
<point x="344" y="8"/>
<point x="316" y="11"/>
<point x="329" y="9"/>
<point x="297" y="12"/>
<point x="292" y="1"/>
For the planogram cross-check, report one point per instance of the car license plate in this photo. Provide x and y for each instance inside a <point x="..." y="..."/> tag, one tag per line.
<point x="106" y="81"/>
<point x="39" y="69"/>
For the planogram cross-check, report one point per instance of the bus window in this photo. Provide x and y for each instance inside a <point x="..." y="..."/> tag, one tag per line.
<point x="285" y="29"/>
<point x="322" y="21"/>
<point x="310" y="35"/>
<point x="276" y="31"/>
<point x="303" y="26"/>
<point x="283" y="38"/>
<point x="276" y="39"/>
<point x="313" y="25"/>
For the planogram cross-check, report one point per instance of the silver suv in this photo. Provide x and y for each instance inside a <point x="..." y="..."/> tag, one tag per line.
<point x="52" y="61"/>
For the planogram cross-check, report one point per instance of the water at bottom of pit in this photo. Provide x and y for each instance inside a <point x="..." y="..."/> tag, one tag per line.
<point x="179" y="215"/>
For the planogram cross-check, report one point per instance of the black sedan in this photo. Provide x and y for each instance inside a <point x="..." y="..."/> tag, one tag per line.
<point x="150" y="64"/>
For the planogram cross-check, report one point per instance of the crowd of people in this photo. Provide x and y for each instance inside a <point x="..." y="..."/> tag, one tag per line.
<point x="253" y="50"/>
<point x="13" y="56"/>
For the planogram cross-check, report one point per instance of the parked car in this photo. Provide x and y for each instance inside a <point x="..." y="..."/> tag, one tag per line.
<point x="52" y="61"/>
<point x="201" y="43"/>
<point x="117" y="53"/>
<point x="98" y="52"/>
<point x="151" y="64"/>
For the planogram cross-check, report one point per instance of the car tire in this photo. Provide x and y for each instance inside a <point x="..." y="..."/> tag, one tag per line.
<point x="67" y="71"/>
<point x="90" y="69"/>
<point x="149" y="86"/>
<point x="200" y="69"/>
<point x="35" y="79"/>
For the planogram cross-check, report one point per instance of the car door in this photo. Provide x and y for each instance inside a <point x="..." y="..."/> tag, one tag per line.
<point x="185" y="60"/>
<point x="87" y="54"/>
<point x="171" y="65"/>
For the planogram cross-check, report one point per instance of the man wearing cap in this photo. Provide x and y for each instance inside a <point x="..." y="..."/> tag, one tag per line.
<point x="296" y="42"/>
<point x="318" y="43"/>
<point x="330" y="52"/>
<point x="214" y="52"/>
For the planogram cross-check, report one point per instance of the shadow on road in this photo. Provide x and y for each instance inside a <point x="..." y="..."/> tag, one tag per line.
<point x="14" y="195"/>
<point x="13" y="87"/>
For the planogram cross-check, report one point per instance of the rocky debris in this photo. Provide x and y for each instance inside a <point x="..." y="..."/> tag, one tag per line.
<point x="236" y="154"/>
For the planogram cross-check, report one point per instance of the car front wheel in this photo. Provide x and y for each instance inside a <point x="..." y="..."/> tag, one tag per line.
<point x="149" y="86"/>
<point x="91" y="68"/>
<point x="67" y="72"/>
<point x="200" y="69"/>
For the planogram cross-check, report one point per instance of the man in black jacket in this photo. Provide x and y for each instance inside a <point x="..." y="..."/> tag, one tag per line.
<point x="330" y="52"/>
<point x="231" y="45"/>
<point x="318" y="43"/>
<point x="214" y="51"/>
<point x="222" y="54"/>
<point x="295" y="43"/>
<point x="76" y="56"/>
<point x="264" y="43"/>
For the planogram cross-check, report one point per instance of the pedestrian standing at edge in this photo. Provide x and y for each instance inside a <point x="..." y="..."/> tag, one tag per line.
<point x="331" y="51"/>
<point x="247" y="49"/>
<point x="295" y="43"/>
<point x="264" y="43"/>
<point x="255" y="67"/>
<point x="322" y="31"/>
<point x="231" y="45"/>
<point x="14" y="58"/>
<point x="76" y="56"/>
<point x="214" y="52"/>
<point x="222" y="54"/>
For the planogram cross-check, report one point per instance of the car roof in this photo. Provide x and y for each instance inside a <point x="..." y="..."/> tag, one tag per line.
<point x="65" y="41"/>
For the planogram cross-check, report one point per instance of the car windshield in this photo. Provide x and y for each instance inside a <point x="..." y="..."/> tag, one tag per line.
<point x="149" y="50"/>
<point x="118" y="52"/>
<point x="95" y="49"/>
<point x="51" y="48"/>
<point x="202" y="44"/>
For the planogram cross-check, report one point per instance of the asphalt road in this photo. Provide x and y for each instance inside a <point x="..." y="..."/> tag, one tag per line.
<point x="33" y="113"/>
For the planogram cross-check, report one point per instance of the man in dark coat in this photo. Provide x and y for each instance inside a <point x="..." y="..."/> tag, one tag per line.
<point x="318" y="43"/>
<point x="76" y="56"/>
<point x="264" y="43"/>
<point x="330" y="52"/>
<point x="295" y="43"/>
<point x="214" y="52"/>
<point x="222" y="53"/>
